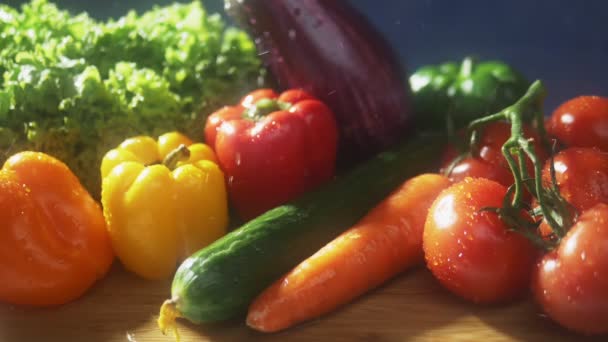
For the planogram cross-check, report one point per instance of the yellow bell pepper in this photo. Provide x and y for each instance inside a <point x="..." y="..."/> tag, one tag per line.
<point x="162" y="201"/>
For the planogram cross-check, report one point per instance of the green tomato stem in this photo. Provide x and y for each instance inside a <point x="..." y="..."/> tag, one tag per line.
<point x="554" y="208"/>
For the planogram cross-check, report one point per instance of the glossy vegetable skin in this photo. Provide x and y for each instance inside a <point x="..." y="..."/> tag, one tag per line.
<point x="162" y="200"/>
<point x="53" y="242"/>
<point x="221" y="280"/>
<point x="471" y="251"/>
<point x="581" y="175"/>
<point x="273" y="147"/>
<point x="570" y="282"/>
<point x="385" y="242"/>
<point x="464" y="92"/>
<point x="333" y="52"/>
<point x="581" y="122"/>
<point x="476" y="167"/>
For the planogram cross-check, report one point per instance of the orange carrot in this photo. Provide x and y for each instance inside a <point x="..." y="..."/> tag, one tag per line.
<point x="382" y="244"/>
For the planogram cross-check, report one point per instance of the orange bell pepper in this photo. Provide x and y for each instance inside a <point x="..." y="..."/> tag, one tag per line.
<point x="53" y="240"/>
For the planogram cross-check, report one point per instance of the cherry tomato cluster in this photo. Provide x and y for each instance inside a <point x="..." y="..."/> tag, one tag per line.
<point x="480" y="255"/>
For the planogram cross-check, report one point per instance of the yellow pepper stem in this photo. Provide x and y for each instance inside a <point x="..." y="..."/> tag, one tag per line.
<point x="168" y="315"/>
<point x="181" y="153"/>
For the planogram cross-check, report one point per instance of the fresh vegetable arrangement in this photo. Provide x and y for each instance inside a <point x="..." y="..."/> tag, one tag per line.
<point x="380" y="245"/>
<point x="219" y="282"/>
<point x="331" y="51"/>
<point x="341" y="184"/>
<point x="74" y="87"/>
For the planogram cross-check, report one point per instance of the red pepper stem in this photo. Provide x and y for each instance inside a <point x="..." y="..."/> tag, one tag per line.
<point x="264" y="107"/>
<point x="180" y="153"/>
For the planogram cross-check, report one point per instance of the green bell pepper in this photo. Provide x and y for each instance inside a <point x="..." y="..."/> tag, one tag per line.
<point x="455" y="95"/>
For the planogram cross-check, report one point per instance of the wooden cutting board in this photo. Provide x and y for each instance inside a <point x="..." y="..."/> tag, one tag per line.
<point x="413" y="306"/>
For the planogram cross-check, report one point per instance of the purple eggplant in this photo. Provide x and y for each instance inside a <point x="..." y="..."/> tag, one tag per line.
<point x="332" y="51"/>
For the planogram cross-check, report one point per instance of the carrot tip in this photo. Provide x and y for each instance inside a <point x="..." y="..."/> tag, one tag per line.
<point x="168" y="314"/>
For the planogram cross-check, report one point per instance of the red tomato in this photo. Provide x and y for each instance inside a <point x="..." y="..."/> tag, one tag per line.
<point x="571" y="282"/>
<point x="475" y="167"/>
<point x="581" y="122"/>
<point x="496" y="134"/>
<point x="470" y="251"/>
<point x="582" y="176"/>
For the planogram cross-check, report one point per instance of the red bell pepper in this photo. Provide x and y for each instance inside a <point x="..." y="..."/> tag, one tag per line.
<point x="273" y="148"/>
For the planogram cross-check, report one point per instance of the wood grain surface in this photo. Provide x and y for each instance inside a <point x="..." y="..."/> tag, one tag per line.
<point x="412" y="307"/>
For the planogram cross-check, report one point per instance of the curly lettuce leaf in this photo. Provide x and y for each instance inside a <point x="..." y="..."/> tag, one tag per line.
<point x="75" y="87"/>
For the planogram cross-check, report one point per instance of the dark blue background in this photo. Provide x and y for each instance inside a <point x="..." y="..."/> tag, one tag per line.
<point x="562" y="42"/>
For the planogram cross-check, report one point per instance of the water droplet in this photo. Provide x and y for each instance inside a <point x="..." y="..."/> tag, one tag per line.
<point x="131" y="337"/>
<point x="292" y="34"/>
<point x="460" y="255"/>
<point x="583" y="256"/>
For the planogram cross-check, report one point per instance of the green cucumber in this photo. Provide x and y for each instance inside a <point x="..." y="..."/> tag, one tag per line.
<point x="220" y="281"/>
